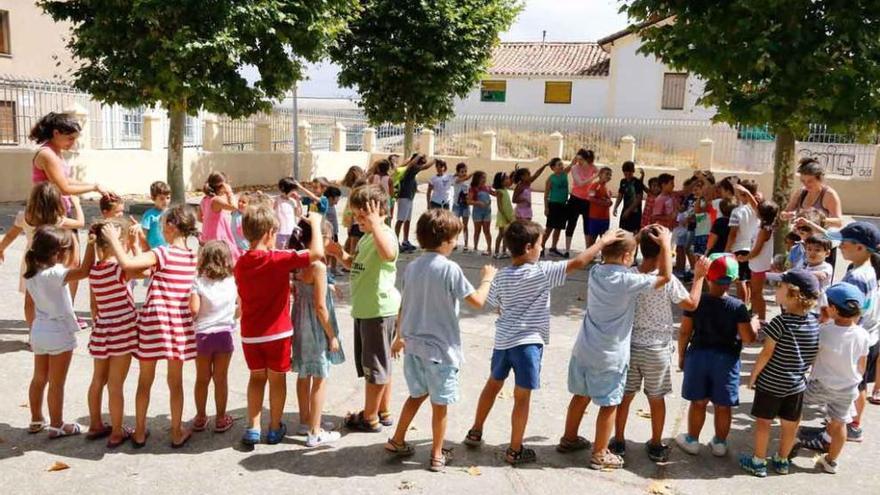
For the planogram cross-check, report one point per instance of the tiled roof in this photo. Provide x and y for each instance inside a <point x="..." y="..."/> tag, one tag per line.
<point x="549" y="59"/>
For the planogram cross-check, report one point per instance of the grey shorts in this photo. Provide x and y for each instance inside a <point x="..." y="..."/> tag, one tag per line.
<point x="838" y="403"/>
<point x="651" y="366"/>
<point x="372" y="348"/>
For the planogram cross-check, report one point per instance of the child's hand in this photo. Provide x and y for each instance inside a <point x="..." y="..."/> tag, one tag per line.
<point x="488" y="272"/>
<point x="612" y="236"/>
<point x="337" y="291"/>
<point x="110" y="232"/>
<point x="663" y="237"/>
<point x="333" y="344"/>
<point x="373" y="216"/>
<point x="397" y="347"/>
<point x="334" y="249"/>
<point x="702" y="267"/>
<point x="226" y="189"/>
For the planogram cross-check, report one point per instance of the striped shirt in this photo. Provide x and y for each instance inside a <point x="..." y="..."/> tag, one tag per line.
<point x="165" y="325"/>
<point x="522" y="296"/>
<point x="115" y="331"/>
<point x="797" y="343"/>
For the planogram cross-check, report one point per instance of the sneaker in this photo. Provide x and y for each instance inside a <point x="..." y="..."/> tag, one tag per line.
<point x="750" y="464"/>
<point x="606" y="460"/>
<point x="303" y="430"/>
<point x="719" y="447"/>
<point x="688" y="443"/>
<point x="780" y="464"/>
<point x="555" y="252"/>
<point x="826" y="464"/>
<point x="816" y="442"/>
<point x="853" y="433"/>
<point x="251" y="436"/>
<point x="323" y="437"/>
<point x="566" y="255"/>
<point x="465" y="249"/>
<point x="503" y="256"/>
<point x="617" y="447"/>
<point x="657" y="453"/>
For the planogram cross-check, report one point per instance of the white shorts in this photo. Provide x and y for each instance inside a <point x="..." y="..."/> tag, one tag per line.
<point x="52" y="339"/>
<point x="404" y="209"/>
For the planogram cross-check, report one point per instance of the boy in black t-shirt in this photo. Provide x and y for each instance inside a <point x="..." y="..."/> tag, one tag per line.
<point x="630" y="192"/>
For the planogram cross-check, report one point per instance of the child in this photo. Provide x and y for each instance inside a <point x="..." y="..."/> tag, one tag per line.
<point x="114" y="337"/>
<point x="779" y="375"/>
<point x="353" y="179"/>
<point x="760" y="257"/>
<point x="333" y="193"/>
<point x="440" y="187"/>
<point x="214" y="211"/>
<point x="598" y="364"/>
<point x="165" y="329"/>
<point x="630" y="192"/>
<point x="313" y="195"/>
<point x="244" y="200"/>
<point x="214" y="305"/>
<point x="794" y="249"/>
<point x="651" y="348"/>
<point x="521" y="293"/>
<point x="151" y="221"/>
<point x="703" y="216"/>
<point x="407" y="190"/>
<point x="600" y="206"/>
<point x="288" y="209"/>
<point x="382" y="176"/>
<point x="650" y="196"/>
<point x="555" y="197"/>
<point x="428" y="330"/>
<point x="53" y="331"/>
<point x="501" y="184"/>
<point x="709" y="344"/>
<point x="522" y="192"/>
<point x="717" y="242"/>
<point x="45" y="206"/>
<point x="480" y="197"/>
<point x="374" y="305"/>
<point x="663" y="211"/>
<point x="262" y="276"/>
<point x="744" y="224"/>
<point x="837" y="373"/>
<point x="461" y="208"/>
<point x="111" y="206"/>
<point x="316" y="343"/>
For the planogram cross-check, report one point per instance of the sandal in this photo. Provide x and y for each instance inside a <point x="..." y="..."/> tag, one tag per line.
<point x="385" y="418"/>
<point x="199" y="423"/>
<point x="567" y="446"/>
<point x="223" y="423"/>
<point x="474" y="438"/>
<point x="36" y="426"/>
<point x="357" y="422"/>
<point x="127" y="433"/>
<point x="438" y="464"/>
<point x="97" y="434"/>
<point x="402" y="449"/>
<point x="182" y="443"/>
<point x="140" y="445"/>
<point x="522" y="456"/>
<point x="606" y="460"/>
<point x="275" y="437"/>
<point x="66" y="430"/>
<point x="874" y="398"/>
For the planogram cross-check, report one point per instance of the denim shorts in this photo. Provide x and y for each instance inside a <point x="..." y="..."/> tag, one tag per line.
<point x="700" y="244"/>
<point x="425" y="377"/>
<point x="598" y="226"/>
<point x="711" y="374"/>
<point x="603" y="387"/>
<point x="461" y="211"/>
<point x="524" y="360"/>
<point x="481" y="214"/>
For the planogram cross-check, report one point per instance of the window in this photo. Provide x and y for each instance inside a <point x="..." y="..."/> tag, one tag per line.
<point x="557" y="92"/>
<point x="4" y="32"/>
<point x="189" y="128"/>
<point x="8" y="128"/>
<point x="493" y="91"/>
<point x="132" y="123"/>
<point x="674" y="88"/>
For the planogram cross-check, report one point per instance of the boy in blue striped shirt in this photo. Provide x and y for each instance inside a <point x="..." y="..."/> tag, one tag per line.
<point x="521" y="293"/>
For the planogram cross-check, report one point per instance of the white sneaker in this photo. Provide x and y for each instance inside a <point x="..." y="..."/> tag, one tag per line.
<point x="323" y="437"/>
<point x="719" y="447"/>
<point x="828" y="466"/>
<point x="688" y="444"/>
<point x="303" y="430"/>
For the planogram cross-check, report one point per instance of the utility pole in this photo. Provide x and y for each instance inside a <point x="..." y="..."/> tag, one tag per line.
<point x="295" y="133"/>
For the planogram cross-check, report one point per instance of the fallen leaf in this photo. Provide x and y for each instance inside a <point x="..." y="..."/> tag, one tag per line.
<point x="659" y="488"/>
<point x="23" y="405"/>
<point x="643" y="414"/>
<point x="473" y="471"/>
<point x="505" y="394"/>
<point x="413" y="428"/>
<point x="406" y="485"/>
<point x="58" y="466"/>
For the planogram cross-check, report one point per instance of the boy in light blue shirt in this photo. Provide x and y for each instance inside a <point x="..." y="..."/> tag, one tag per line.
<point x="599" y="359"/>
<point x="151" y="221"/>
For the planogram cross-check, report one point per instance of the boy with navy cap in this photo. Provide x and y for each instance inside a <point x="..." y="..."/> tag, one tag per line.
<point x="837" y="372"/>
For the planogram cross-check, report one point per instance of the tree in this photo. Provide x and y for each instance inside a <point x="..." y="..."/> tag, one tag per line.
<point x="786" y="63"/>
<point x="187" y="55"/>
<point x="409" y="60"/>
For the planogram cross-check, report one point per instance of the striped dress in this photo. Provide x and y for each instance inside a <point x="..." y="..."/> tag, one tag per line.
<point x="115" y="331"/>
<point x="165" y="325"/>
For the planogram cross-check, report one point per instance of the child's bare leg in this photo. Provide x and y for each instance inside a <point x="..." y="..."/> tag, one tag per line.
<point x="38" y="387"/>
<point x="220" y="376"/>
<point x="438" y="428"/>
<point x="762" y="437"/>
<point x="316" y="403"/>
<point x="622" y="415"/>
<point x="96" y="393"/>
<point x="604" y="425"/>
<point x="373" y="393"/>
<point x="406" y="231"/>
<point x="203" y="380"/>
<point x="464" y="231"/>
<point x="696" y="417"/>
<point x="522" y="398"/>
<point x="175" y="390"/>
<point x="657" y="406"/>
<point x="487" y="400"/>
<point x="58" y="366"/>
<point x="787" y="437"/>
<point x="759" y="306"/>
<point x="115" y="382"/>
<point x="303" y="392"/>
<point x="277" y="397"/>
<point x="488" y="232"/>
<point x="723" y="416"/>
<point x="860" y="402"/>
<point x="477" y="227"/>
<point x="679" y="259"/>
<point x="385" y="399"/>
<point x="837" y="430"/>
<point x="576" y="409"/>
<point x="255" y="392"/>
<point x="142" y="399"/>
<point x="407" y="413"/>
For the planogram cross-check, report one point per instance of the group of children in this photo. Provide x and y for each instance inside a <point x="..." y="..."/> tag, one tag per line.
<point x="253" y="251"/>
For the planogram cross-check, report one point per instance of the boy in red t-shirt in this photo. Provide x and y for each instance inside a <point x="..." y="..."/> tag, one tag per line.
<point x="262" y="275"/>
<point x="600" y="206"/>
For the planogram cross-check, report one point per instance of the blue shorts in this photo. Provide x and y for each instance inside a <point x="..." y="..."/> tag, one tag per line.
<point x="603" y="387"/>
<point x="461" y="211"/>
<point x="480" y="214"/>
<point x="598" y="227"/>
<point x="711" y="374"/>
<point x="437" y="380"/>
<point x="700" y="244"/>
<point x="525" y="360"/>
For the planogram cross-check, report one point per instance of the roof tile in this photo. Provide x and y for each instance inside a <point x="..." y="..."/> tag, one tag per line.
<point x="549" y="59"/>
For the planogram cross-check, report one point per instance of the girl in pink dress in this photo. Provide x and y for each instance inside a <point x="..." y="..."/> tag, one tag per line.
<point x="215" y="213"/>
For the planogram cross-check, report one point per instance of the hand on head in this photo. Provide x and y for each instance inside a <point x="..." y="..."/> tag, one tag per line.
<point x="612" y="236"/>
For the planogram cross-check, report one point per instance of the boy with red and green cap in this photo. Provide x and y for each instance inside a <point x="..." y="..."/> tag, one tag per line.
<point x="709" y="345"/>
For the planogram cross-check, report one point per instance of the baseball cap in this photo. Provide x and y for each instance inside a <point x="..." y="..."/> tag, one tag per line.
<point x="803" y="280"/>
<point x="723" y="268"/>
<point x="863" y="233"/>
<point x="842" y="293"/>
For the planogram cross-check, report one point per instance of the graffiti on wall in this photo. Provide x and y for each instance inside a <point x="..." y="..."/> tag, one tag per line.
<point x="837" y="160"/>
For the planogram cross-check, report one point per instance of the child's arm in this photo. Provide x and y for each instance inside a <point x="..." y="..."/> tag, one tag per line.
<point x="617" y="205"/>
<point x="335" y="250"/>
<point x="386" y="245"/>
<point x="477" y="299"/>
<point x="747" y="331"/>
<point x="310" y="194"/>
<point x="710" y="243"/>
<point x="226" y="201"/>
<point x="128" y="263"/>
<point x="638" y="202"/>
<point x="537" y="173"/>
<point x="763" y="237"/>
<point x="428" y="194"/>
<point x="398" y="344"/>
<point x="195" y="304"/>
<point x="763" y="359"/>
<point x="319" y="275"/>
<point x="79" y="220"/>
<point x="750" y="198"/>
<point x="459" y="180"/>
<point x="82" y="271"/>
<point x="10" y="236"/>
<point x="664" y="258"/>
<point x="731" y="238"/>
<point x="547" y="194"/>
<point x="684" y="337"/>
<point x="93" y="305"/>
<point x="582" y="260"/>
<point x="316" y="244"/>
<point x="801" y="221"/>
<point x="700" y="271"/>
<point x="237" y="308"/>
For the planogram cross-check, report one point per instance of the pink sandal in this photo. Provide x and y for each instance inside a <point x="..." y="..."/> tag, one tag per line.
<point x="199" y="423"/>
<point x="223" y="423"/>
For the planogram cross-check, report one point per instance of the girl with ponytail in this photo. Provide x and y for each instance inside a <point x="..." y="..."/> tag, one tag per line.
<point x="215" y="213"/>
<point x="165" y="322"/>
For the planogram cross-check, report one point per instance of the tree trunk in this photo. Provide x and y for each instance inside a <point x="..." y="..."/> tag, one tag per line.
<point x="408" y="131"/>
<point x="177" y="122"/>
<point x="783" y="175"/>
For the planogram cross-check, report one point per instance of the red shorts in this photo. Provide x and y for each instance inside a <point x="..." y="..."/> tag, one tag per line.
<point x="759" y="275"/>
<point x="273" y="355"/>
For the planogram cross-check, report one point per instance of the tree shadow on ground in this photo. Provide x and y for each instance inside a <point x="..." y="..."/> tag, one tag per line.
<point x="13" y="327"/>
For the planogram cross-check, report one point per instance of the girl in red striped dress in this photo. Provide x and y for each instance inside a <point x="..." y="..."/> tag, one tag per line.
<point x="165" y="322"/>
<point x="114" y="337"/>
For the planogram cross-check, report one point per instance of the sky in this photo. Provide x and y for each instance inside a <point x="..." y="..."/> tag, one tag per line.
<point x="564" y="20"/>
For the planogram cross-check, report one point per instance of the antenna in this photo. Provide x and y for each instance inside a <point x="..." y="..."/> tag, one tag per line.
<point x="543" y="36"/>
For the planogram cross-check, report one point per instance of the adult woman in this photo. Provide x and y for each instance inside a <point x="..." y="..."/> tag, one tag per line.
<point x="814" y="194"/>
<point x="583" y="173"/>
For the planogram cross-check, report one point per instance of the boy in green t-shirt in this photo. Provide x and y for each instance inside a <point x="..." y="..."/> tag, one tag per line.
<point x="374" y="304"/>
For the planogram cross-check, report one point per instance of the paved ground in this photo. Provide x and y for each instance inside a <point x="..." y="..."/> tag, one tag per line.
<point x="357" y="464"/>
